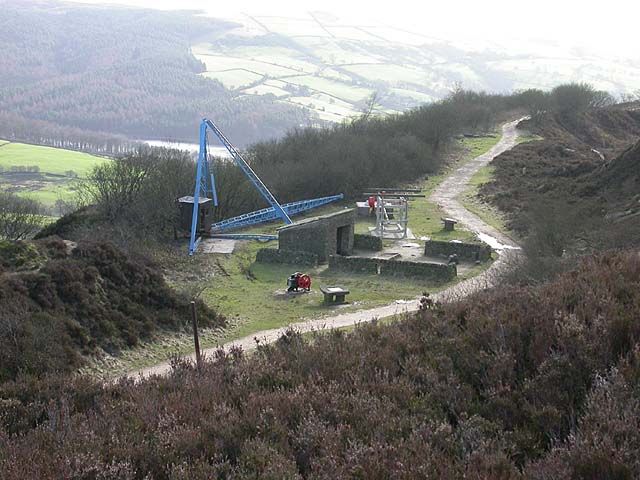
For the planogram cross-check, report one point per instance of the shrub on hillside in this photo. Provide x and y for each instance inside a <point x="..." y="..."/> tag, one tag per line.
<point x="20" y="218"/>
<point x="57" y="306"/>
<point x="514" y="383"/>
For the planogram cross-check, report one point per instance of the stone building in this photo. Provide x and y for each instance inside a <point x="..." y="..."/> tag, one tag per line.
<point x="314" y="240"/>
<point x="205" y="213"/>
<point x="322" y="236"/>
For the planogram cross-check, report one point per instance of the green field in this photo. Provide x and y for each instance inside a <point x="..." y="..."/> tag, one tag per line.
<point x="235" y="78"/>
<point x="345" y="65"/>
<point x="341" y="90"/>
<point x="390" y="73"/>
<point x="58" y="170"/>
<point x="48" y="159"/>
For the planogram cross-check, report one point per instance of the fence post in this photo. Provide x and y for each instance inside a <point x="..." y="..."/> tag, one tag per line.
<point x="196" y="340"/>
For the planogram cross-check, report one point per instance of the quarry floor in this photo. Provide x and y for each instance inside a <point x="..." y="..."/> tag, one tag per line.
<point x="446" y="196"/>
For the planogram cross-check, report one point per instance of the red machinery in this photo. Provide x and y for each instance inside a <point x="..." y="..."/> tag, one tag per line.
<point x="298" y="282"/>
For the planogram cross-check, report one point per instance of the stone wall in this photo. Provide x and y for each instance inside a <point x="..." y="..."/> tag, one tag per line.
<point x="354" y="264"/>
<point x="395" y="268"/>
<point x="323" y="236"/>
<point x="465" y="251"/>
<point x="367" y="242"/>
<point x="272" y="255"/>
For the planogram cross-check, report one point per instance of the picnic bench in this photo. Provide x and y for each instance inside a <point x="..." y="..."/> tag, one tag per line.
<point x="334" y="295"/>
<point x="449" y="224"/>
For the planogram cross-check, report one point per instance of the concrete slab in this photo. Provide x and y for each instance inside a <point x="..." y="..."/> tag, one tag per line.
<point x="393" y="235"/>
<point x="217" y="245"/>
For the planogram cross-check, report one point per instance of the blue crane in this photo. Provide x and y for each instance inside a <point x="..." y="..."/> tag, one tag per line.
<point x="206" y="185"/>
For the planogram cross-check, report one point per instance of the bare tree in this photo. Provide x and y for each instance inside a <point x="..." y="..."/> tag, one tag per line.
<point x="114" y="186"/>
<point x="367" y="111"/>
<point x="20" y="218"/>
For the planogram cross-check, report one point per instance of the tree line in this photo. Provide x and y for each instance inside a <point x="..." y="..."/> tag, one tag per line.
<point x="142" y="186"/>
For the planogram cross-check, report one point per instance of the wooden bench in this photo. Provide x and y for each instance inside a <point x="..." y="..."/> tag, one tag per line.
<point x="333" y="295"/>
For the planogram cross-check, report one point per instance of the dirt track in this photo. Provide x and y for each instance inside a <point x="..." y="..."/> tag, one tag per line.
<point x="445" y="196"/>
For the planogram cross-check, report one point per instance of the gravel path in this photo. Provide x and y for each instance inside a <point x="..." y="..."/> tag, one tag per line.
<point x="445" y="196"/>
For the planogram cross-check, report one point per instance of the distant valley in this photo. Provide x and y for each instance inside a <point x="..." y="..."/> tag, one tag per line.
<point x="333" y="70"/>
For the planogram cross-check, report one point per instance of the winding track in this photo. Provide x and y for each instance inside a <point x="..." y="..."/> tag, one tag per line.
<point x="445" y="196"/>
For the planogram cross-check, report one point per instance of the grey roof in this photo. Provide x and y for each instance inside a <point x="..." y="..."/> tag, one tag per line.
<point x="320" y="217"/>
<point x="189" y="199"/>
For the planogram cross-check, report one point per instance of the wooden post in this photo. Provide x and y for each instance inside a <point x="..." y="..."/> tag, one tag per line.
<point x="196" y="340"/>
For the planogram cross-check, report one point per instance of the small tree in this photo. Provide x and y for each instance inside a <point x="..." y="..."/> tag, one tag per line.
<point x="20" y="218"/>
<point x="535" y="101"/>
<point x="573" y="98"/>
<point x="116" y="185"/>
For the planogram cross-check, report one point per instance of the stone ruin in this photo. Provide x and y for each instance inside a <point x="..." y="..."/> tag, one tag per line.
<point x="313" y="240"/>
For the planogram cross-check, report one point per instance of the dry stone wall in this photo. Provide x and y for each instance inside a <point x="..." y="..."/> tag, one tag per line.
<point x="465" y="251"/>
<point x="394" y="268"/>
<point x="367" y="242"/>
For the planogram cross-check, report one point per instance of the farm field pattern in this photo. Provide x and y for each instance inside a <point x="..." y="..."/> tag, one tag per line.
<point x="333" y="69"/>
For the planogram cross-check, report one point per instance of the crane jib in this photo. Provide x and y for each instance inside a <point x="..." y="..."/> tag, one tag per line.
<point x="205" y="185"/>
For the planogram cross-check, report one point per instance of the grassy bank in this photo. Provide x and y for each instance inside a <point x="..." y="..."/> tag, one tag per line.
<point x="471" y="200"/>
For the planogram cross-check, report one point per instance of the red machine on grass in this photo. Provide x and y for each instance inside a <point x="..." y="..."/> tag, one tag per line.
<point x="298" y="281"/>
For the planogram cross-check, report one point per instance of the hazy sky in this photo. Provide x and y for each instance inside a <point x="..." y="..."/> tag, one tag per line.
<point x="609" y="27"/>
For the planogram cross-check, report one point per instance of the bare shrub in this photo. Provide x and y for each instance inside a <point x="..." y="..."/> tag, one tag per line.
<point x="20" y="218"/>
<point x="141" y="188"/>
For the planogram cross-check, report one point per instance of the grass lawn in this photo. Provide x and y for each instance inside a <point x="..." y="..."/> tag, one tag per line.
<point x="253" y="293"/>
<point x="528" y="138"/>
<point x="471" y="200"/>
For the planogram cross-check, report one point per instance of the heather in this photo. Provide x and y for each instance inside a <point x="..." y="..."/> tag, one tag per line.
<point x="63" y="302"/>
<point x="517" y="382"/>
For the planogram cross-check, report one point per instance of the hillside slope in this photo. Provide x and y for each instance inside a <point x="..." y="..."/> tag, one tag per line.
<point x="514" y="383"/>
<point x="61" y="301"/>
<point x="120" y="71"/>
<point x="581" y="178"/>
<point x="331" y="67"/>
